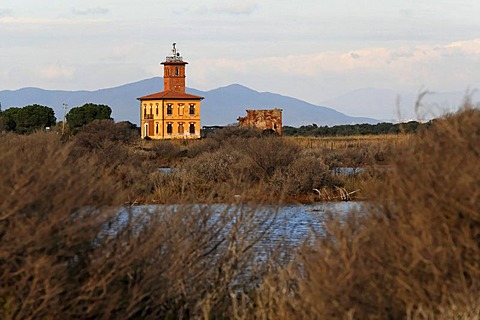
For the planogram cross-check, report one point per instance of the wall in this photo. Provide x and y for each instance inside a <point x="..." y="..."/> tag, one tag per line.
<point x="263" y="120"/>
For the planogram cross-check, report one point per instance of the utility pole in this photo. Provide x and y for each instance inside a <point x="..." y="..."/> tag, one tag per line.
<point x="63" y="123"/>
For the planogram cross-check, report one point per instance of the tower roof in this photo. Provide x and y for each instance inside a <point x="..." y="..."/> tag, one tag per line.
<point x="168" y="94"/>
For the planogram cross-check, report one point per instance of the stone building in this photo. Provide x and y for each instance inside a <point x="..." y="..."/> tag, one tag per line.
<point x="265" y="120"/>
<point x="171" y="113"/>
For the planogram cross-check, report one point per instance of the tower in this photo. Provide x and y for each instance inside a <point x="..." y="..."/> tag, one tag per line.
<point x="171" y="113"/>
<point x="174" y="72"/>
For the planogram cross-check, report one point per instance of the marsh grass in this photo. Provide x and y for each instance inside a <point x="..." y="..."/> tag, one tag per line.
<point x="70" y="249"/>
<point x="411" y="252"/>
<point x="414" y="250"/>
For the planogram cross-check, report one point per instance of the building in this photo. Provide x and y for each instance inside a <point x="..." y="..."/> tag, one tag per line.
<point x="265" y="120"/>
<point x="172" y="113"/>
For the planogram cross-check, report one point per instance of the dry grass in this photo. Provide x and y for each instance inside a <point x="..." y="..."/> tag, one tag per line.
<point x="253" y="167"/>
<point x="360" y="141"/>
<point x="414" y="253"/>
<point x="66" y="252"/>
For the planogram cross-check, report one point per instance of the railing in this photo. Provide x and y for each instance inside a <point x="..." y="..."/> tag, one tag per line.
<point x="174" y="59"/>
<point x="148" y="116"/>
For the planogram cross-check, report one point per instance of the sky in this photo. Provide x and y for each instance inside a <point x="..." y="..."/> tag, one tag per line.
<point x="313" y="50"/>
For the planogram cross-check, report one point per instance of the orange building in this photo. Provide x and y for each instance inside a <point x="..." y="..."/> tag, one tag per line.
<point x="172" y="113"/>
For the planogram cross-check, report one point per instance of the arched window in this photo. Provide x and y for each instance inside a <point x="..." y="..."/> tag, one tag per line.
<point x="169" y="109"/>
<point x="192" y="109"/>
<point x="169" y="128"/>
<point x="146" y="130"/>
<point x="192" y="128"/>
<point x="176" y="71"/>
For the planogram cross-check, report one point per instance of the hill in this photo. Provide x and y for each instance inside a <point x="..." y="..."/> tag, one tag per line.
<point x="221" y="106"/>
<point x="393" y="106"/>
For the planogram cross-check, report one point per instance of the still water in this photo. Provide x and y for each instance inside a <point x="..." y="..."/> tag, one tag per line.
<point x="291" y="223"/>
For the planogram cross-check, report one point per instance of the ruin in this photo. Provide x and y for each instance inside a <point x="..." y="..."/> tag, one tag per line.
<point x="265" y="120"/>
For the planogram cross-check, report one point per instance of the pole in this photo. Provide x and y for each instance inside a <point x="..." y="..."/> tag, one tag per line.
<point x="63" y="123"/>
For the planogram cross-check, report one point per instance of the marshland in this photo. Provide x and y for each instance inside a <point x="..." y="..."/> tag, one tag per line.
<point x="408" y="249"/>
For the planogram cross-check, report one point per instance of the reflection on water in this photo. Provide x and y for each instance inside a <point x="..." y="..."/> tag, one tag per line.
<point x="291" y="223"/>
<point x="347" y="170"/>
<point x="301" y="220"/>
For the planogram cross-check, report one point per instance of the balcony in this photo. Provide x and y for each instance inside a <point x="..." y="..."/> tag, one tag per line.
<point x="148" y="116"/>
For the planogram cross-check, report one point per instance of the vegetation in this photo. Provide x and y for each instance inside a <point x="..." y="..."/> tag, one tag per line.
<point x="27" y="119"/>
<point x="354" y="129"/>
<point x="79" y="116"/>
<point x="412" y="252"/>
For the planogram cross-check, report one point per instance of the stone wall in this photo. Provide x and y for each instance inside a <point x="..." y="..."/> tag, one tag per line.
<point x="264" y="120"/>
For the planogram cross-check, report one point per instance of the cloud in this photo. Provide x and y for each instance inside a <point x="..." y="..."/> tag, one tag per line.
<point x="56" y="72"/>
<point x="235" y="7"/>
<point x="90" y="11"/>
<point x="6" y="12"/>
<point x="121" y="52"/>
<point x="446" y="67"/>
<point x="45" y="21"/>
<point x="355" y="55"/>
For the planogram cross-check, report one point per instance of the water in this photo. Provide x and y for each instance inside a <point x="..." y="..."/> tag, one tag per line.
<point x="291" y="223"/>
<point x="347" y="170"/>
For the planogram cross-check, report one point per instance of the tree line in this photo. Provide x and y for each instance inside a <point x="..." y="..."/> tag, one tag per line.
<point x="25" y="120"/>
<point x="353" y="129"/>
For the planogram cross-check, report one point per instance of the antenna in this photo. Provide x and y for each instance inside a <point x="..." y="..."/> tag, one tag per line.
<point x="174" y="50"/>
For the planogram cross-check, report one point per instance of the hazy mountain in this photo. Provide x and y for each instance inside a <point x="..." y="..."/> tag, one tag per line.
<point x="394" y="106"/>
<point x="221" y="106"/>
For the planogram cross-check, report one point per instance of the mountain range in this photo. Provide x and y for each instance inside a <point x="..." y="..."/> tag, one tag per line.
<point x="394" y="106"/>
<point x="224" y="105"/>
<point x="221" y="106"/>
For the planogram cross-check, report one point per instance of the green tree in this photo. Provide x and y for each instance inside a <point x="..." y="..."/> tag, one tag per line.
<point x="27" y="119"/>
<point x="80" y="116"/>
<point x="8" y="119"/>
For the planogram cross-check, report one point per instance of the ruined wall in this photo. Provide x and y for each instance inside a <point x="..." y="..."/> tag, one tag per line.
<point x="263" y="120"/>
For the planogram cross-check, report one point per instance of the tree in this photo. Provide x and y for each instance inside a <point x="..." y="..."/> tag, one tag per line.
<point x="80" y="116"/>
<point x="28" y="119"/>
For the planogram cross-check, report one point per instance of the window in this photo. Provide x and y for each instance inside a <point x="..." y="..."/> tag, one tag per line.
<point x="192" y="128"/>
<point x="156" y="128"/>
<point x="176" y="71"/>
<point x="156" y="109"/>
<point x="192" y="109"/>
<point x="169" y="128"/>
<point x="144" y="110"/>
<point x="180" y="109"/>
<point x="151" y="106"/>
<point x="169" y="109"/>
<point x="180" y="128"/>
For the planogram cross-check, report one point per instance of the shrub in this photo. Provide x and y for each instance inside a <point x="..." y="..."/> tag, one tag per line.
<point x="302" y="176"/>
<point x="269" y="154"/>
<point x="68" y="252"/>
<point x="414" y="253"/>
<point x="112" y="143"/>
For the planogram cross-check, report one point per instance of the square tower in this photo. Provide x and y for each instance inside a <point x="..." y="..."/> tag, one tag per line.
<point x="171" y="113"/>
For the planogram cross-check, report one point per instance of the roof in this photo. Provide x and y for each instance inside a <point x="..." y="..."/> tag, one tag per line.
<point x="168" y="94"/>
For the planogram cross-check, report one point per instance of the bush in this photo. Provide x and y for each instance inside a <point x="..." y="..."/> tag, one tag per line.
<point x="414" y="251"/>
<point x="112" y="143"/>
<point x="68" y="252"/>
